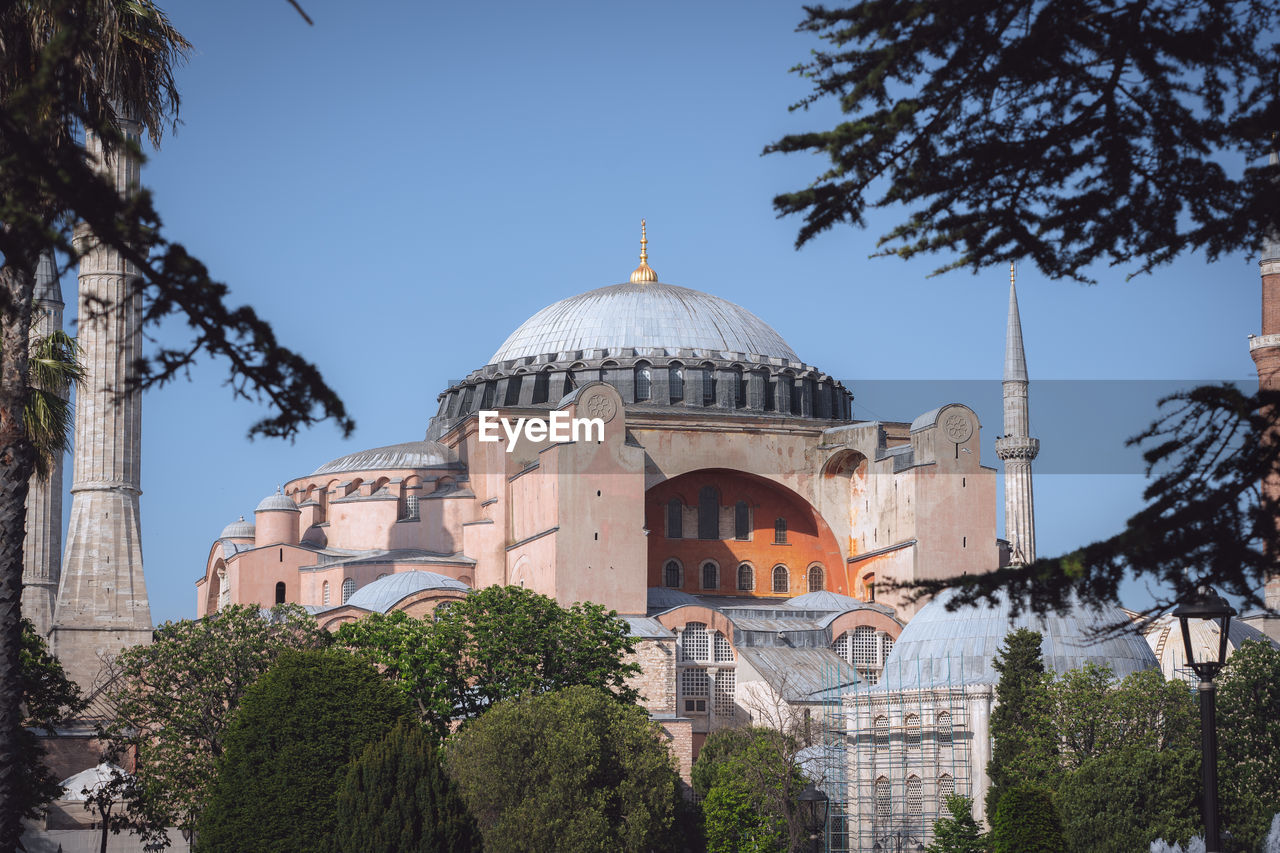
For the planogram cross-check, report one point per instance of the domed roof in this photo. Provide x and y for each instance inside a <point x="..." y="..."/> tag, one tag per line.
<point x="278" y="501"/>
<point x="827" y="600"/>
<point x="382" y="594"/>
<point x="411" y="454"/>
<point x="1164" y="634"/>
<point x="92" y="778"/>
<point x="941" y="647"/>
<point x="662" y="598"/>
<point x="240" y="529"/>
<point x="644" y="314"/>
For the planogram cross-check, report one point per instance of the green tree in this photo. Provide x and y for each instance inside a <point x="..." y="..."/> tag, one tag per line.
<point x="1064" y="133"/>
<point x="1026" y="822"/>
<point x="174" y="700"/>
<point x="1024" y="739"/>
<point x="571" y="770"/>
<point x="958" y="833"/>
<point x="396" y="798"/>
<point x="496" y="644"/>
<point x="720" y="746"/>
<point x="48" y="699"/>
<point x="294" y="733"/>
<point x="1249" y="741"/>
<point x="53" y="367"/>
<point x="752" y="801"/>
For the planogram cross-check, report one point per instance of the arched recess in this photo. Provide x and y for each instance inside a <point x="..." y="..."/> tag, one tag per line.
<point x="842" y="492"/>
<point x="810" y="539"/>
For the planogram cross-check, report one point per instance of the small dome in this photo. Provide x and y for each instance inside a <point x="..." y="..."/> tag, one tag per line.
<point x="826" y="600"/>
<point x="384" y="593"/>
<point x="411" y="454"/>
<point x="240" y="529"/>
<point x="664" y="598"/>
<point x="92" y="778"/>
<point x="942" y="647"/>
<point x="277" y="502"/>
<point x="1164" y="634"/>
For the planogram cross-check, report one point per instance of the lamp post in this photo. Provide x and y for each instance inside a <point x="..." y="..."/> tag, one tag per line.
<point x="1212" y="607"/>
<point x="813" y="812"/>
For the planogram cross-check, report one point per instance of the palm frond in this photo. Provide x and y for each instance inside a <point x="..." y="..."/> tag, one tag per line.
<point x="54" y="366"/>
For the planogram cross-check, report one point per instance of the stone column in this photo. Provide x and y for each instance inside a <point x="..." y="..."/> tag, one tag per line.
<point x="1016" y="448"/>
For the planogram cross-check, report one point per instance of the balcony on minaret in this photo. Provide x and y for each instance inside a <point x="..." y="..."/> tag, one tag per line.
<point x="1017" y="447"/>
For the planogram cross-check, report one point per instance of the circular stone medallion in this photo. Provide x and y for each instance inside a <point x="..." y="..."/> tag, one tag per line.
<point x="958" y="427"/>
<point x="601" y="406"/>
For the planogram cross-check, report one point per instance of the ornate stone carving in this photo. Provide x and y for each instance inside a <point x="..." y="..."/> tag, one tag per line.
<point x="602" y="406"/>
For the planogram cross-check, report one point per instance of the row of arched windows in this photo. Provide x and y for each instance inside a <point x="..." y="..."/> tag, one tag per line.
<point x="911" y="730"/>
<point x="348" y="588"/>
<point x="709" y="518"/>
<point x="914" y="795"/>
<point x="673" y="577"/>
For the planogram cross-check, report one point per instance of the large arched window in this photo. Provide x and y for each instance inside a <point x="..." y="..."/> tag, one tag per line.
<point x="944" y="727"/>
<point x="280" y="592"/>
<point x="695" y="644"/>
<point x="739" y="389"/>
<point x="541" y="387"/>
<point x="348" y="587"/>
<point x="644" y="381"/>
<point x="780" y="531"/>
<point x="781" y="581"/>
<point x="675" y="380"/>
<point x="746" y="578"/>
<point x="675" y="519"/>
<point x="324" y="593"/>
<point x="708" y="513"/>
<point x="881" y="726"/>
<point x="708" y="386"/>
<point x="671" y="575"/>
<point x="915" y="796"/>
<point x="742" y="521"/>
<point x="911" y="724"/>
<point x="884" y="800"/>
<point x="724" y="651"/>
<point x="869" y="585"/>
<point x="710" y="575"/>
<point x="816" y="579"/>
<point x="946" y="788"/>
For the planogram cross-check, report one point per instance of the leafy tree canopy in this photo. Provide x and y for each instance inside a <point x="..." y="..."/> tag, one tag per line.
<point x="496" y="644"/>
<point x="1249" y="741"/>
<point x="294" y="733"/>
<point x="48" y="699"/>
<point x="1025" y="821"/>
<point x="174" y="700"/>
<point x="1126" y="132"/>
<point x="571" y="770"/>
<point x="752" y="803"/>
<point x="396" y="798"/>
<point x="958" y="832"/>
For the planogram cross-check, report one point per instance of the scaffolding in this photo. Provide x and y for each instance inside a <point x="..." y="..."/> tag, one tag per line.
<point x="893" y="751"/>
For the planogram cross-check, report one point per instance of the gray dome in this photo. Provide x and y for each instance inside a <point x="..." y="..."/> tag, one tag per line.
<point x="826" y="600"/>
<point x="278" y="501"/>
<point x="941" y="647"/>
<point x="644" y="315"/>
<point x="382" y="594"/>
<point x="239" y="529"/>
<point x="664" y="598"/>
<point x="411" y="454"/>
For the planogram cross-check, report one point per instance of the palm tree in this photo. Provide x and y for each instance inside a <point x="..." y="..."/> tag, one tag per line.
<point x="65" y="66"/>
<point x="52" y="368"/>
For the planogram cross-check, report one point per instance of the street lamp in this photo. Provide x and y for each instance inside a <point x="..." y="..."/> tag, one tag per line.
<point x="1212" y="607"/>
<point x="813" y="812"/>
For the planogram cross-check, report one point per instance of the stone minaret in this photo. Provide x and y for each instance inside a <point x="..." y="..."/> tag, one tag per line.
<point x="42" y="548"/>
<point x="1016" y="448"/>
<point x="1265" y="349"/>
<point x="102" y="599"/>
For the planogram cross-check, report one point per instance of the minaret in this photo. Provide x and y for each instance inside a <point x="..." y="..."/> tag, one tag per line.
<point x="102" y="599"/>
<point x="1265" y="350"/>
<point x="42" y="548"/>
<point x="1016" y="448"/>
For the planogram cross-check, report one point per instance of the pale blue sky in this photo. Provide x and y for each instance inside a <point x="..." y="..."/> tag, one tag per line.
<point x="401" y="185"/>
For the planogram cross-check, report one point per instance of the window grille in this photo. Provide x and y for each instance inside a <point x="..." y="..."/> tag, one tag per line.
<point x="815" y="579"/>
<point x="710" y="576"/>
<point x="884" y="799"/>
<point x="708" y="513"/>
<point x="781" y="583"/>
<point x="841" y="646"/>
<point x="675" y="519"/>
<point x="708" y="387"/>
<point x="644" y="382"/>
<point x="671" y="574"/>
<point x="724" y="651"/>
<point x="410" y="507"/>
<point x="739" y="389"/>
<point x="695" y="688"/>
<point x="324" y="593"/>
<point x="726" y="680"/>
<point x="746" y="578"/>
<point x="348" y="587"/>
<point x="882" y="732"/>
<point x="915" y="796"/>
<point x="946" y="788"/>
<point x="780" y="532"/>
<point x="694" y="642"/>
<point x="675" y="377"/>
<point x="864" y="646"/>
<point x="742" y="521"/>
<point x="944" y="727"/>
<point x="912" y="723"/>
<point x="886" y="644"/>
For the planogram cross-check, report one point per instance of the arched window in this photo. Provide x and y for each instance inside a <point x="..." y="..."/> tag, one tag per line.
<point x="644" y="382"/>
<point x="739" y="389"/>
<point x="324" y="593"/>
<point x="841" y="646"/>
<point x="708" y="387"/>
<point x="708" y="513"/>
<point x="348" y="587"/>
<point x="780" y="531"/>
<point x="280" y="592"/>
<point x="915" y="796"/>
<point x="541" y="387"/>
<point x="710" y="575"/>
<point x="815" y="579"/>
<point x="767" y="384"/>
<point x="781" y="582"/>
<point x="724" y="651"/>
<point x="671" y="575"/>
<point x="944" y="727"/>
<point x="884" y="800"/>
<point x="694" y="643"/>
<point x="742" y="521"/>
<point x="946" y="788"/>
<point x="675" y="519"/>
<point x="746" y="578"/>
<point x="869" y="585"/>
<point x="912" y="725"/>
<point x="486" y="398"/>
<point x="513" y="390"/>
<point x="882" y="732"/>
<point x="675" y="379"/>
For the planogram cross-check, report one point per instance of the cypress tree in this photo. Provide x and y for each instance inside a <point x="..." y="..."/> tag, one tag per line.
<point x="1026" y="822"/>
<point x="1024" y="740"/>
<point x="396" y="798"/>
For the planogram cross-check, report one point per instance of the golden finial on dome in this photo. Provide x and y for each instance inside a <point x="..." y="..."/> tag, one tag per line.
<point x="644" y="272"/>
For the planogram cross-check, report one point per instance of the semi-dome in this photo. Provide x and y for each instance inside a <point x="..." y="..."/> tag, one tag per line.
<point x="941" y="647"/>
<point x="644" y="315"/>
<point x="278" y="501"/>
<point x="411" y="454"/>
<point x="239" y="529"/>
<point x="1164" y="635"/>
<point x="382" y="594"/>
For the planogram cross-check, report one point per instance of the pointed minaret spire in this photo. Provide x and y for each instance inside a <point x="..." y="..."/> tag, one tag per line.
<point x="42" y="547"/>
<point x="644" y="273"/>
<point x="1016" y="448"/>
